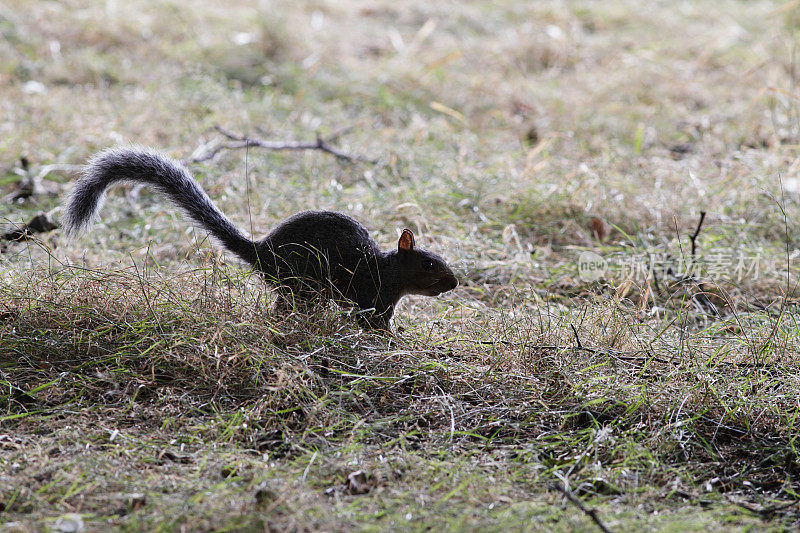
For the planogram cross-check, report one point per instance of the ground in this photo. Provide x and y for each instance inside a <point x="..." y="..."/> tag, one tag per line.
<point x="615" y="183"/>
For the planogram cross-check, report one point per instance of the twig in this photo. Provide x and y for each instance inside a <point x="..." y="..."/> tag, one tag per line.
<point x="47" y="169"/>
<point x="697" y="231"/>
<point x="591" y="513"/>
<point x="577" y="338"/>
<point x="31" y="184"/>
<point x="778" y="320"/>
<point x="763" y="510"/>
<point x="628" y="356"/>
<point x="706" y="306"/>
<point x="655" y="282"/>
<point x="39" y="224"/>
<point x="209" y="151"/>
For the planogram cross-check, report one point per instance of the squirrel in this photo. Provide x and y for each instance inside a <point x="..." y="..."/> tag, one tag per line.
<point x="309" y="254"/>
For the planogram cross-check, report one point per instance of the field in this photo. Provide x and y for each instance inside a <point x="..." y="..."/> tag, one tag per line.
<point x="617" y="185"/>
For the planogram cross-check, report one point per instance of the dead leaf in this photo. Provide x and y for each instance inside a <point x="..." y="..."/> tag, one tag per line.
<point x="358" y="483"/>
<point x="599" y="229"/>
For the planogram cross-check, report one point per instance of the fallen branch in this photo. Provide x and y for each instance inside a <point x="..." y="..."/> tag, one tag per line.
<point x="39" y="224"/>
<point x="693" y="238"/>
<point x="704" y="305"/>
<point x="31" y="183"/>
<point x="762" y="510"/>
<point x="627" y="356"/>
<point x="591" y="513"/>
<point x="208" y="151"/>
<point x="577" y="338"/>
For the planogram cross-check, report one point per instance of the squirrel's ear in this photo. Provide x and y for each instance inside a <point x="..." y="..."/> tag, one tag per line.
<point x="406" y="242"/>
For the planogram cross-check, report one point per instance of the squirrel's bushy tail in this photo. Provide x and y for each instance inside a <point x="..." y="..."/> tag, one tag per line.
<point x="166" y="175"/>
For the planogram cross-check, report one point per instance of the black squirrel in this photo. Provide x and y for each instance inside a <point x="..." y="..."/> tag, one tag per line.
<point x="309" y="254"/>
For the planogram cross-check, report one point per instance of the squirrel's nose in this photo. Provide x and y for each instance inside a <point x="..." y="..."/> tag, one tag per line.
<point x="453" y="284"/>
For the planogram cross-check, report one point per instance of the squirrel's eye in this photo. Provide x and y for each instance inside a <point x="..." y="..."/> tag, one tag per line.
<point x="427" y="264"/>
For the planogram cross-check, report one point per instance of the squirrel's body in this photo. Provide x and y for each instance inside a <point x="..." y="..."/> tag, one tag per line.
<point x="309" y="254"/>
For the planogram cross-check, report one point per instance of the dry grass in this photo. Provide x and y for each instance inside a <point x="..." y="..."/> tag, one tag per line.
<point x="146" y="385"/>
<point x="159" y="377"/>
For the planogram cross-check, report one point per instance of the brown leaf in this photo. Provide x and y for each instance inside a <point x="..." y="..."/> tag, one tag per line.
<point x="358" y="483"/>
<point x="136" y="501"/>
<point x="599" y="229"/>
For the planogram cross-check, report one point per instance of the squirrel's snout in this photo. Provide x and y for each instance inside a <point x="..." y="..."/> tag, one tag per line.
<point x="441" y="286"/>
<point x="448" y="284"/>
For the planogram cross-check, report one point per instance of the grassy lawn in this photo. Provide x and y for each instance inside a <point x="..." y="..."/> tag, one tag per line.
<point x="147" y="384"/>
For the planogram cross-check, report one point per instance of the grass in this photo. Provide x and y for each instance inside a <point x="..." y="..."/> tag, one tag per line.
<point x="145" y="383"/>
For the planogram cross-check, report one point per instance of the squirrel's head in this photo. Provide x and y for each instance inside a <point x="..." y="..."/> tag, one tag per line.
<point x="422" y="272"/>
